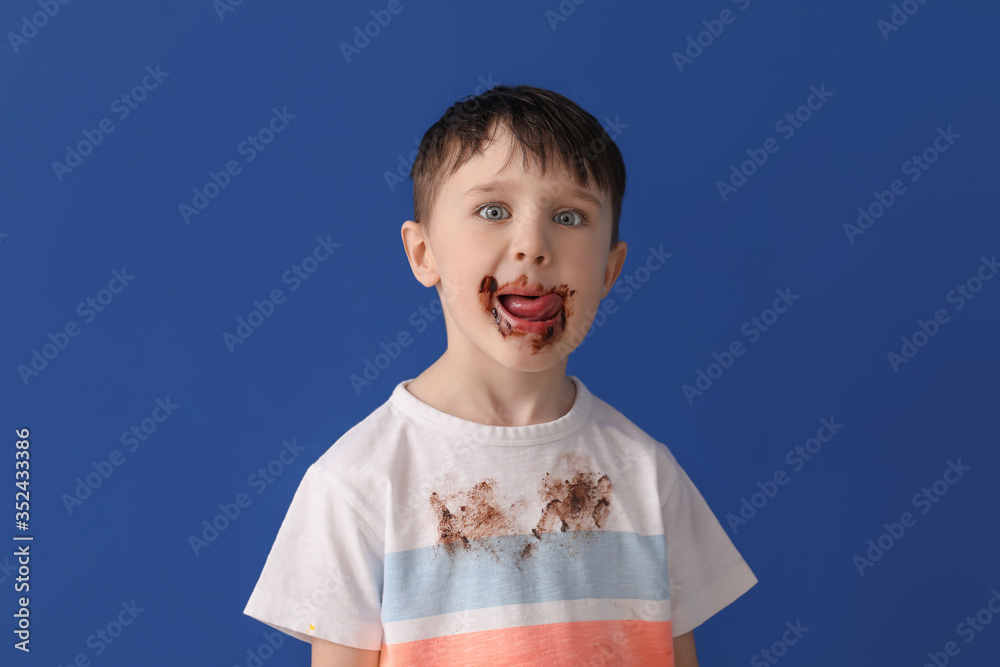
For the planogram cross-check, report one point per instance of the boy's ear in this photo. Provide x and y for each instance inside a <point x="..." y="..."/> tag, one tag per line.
<point x="419" y="253"/>
<point x="616" y="260"/>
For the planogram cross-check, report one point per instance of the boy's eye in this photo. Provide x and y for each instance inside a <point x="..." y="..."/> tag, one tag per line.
<point x="493" y="211"/>
<point x="563" y="216"/>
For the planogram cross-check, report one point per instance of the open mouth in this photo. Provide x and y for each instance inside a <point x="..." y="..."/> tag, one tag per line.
<point x="532" y="314"/>
<point x="532" y="308"/>
<point x="521" y="306"/>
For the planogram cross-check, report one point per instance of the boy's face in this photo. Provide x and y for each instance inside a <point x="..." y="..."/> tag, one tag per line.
<point x="495" y="235"/>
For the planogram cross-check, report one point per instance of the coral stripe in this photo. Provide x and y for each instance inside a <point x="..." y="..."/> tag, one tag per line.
<point x="581" y="644"/>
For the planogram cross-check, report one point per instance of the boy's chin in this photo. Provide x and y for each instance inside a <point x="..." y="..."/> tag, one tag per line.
<point x="526" y="360"/>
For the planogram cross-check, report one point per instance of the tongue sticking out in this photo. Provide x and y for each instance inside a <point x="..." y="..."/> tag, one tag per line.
<point x="537" y="309"/>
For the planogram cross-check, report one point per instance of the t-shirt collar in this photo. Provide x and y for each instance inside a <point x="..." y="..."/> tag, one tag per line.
<point x="515" y="436"/>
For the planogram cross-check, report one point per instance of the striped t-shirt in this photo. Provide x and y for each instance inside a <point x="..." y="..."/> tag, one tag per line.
<point x="441" y="541"/>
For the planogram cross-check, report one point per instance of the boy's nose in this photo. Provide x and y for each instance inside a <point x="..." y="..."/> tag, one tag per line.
<point x="539" y="259"/>
<point x="531" y="242"/>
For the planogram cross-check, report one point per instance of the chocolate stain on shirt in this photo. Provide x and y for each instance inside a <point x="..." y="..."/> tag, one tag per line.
<point x="580" y="503"/>
<point x="477" y="514"/>
<point x="488" y="288"/>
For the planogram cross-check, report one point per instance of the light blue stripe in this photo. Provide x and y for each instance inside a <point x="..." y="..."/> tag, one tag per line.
<point x="572" y="565"/>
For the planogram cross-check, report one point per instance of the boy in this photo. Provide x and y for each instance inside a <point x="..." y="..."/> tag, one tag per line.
<point x="493" y="511"/>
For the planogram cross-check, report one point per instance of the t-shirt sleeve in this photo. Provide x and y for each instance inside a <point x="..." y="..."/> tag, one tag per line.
<point x="323" y="575"/>
<point x="705" y="570"/>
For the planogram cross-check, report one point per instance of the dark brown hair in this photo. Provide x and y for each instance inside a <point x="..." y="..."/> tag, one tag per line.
<point x="541" y="121"/>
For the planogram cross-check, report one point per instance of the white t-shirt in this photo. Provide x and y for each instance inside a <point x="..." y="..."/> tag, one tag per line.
<point x="441" y="541"/>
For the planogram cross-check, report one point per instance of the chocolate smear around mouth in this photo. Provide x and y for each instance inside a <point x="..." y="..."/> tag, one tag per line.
<point x="488" y="288"/>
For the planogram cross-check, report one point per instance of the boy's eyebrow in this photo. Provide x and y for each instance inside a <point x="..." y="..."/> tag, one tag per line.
<point x="496" y="186"/>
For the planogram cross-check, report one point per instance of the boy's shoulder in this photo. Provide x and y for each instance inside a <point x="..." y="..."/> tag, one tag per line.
<point x="607" y="418"/>
<point x="364" y="445"/>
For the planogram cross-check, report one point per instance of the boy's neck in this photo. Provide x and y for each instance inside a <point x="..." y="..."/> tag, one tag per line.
<point x="505" y="398"/>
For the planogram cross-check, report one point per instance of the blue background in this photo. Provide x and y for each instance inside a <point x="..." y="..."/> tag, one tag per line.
<point x="324" y="175"/>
